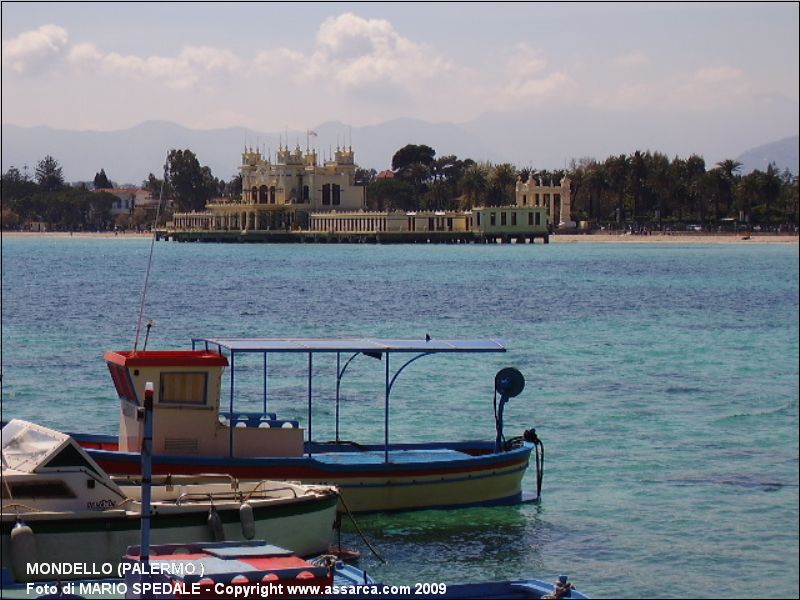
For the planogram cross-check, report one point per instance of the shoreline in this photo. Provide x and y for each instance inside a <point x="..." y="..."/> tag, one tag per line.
<point x="602" y="238"/>
<point x="677" y="238"/>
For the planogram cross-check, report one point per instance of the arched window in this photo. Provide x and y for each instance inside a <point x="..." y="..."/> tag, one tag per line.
<point x="262" y="194"/>
<point x="326" y="194"/>
<point x="305" y="193"/>
<point x="272" y="195"/>
<point x="337" y="194"/>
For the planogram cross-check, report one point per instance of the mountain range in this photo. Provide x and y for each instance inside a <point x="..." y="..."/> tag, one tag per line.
<point x="129" y="155"/>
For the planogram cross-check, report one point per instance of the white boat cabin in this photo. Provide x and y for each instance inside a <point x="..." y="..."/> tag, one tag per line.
<point x="186" y="408"/>
<point x="47" y="470"/>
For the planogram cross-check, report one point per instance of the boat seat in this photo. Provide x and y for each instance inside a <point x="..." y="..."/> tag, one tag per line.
<point x="246" y="419"/>
<point x="259" y="423"/>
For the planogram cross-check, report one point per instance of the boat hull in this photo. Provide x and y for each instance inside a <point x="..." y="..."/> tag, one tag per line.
<point x="417" y="476"/>
<point x="97" y="538"/>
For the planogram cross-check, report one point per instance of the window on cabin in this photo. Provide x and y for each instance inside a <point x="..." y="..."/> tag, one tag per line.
<point x="513" y="218"/>
<point x="530" y="218"/>
<point x="38" y="489"/>
<point x="502" y="218"/>
<point x="183" y="388"/>
<point x="492" y="219"/>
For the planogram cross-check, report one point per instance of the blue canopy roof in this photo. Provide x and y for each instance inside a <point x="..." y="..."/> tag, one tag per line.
<point x="350" y="345"/>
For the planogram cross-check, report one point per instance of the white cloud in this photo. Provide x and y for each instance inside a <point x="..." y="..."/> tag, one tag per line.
<point x="192" y="66"/>
<point x="704" y="89"/>
<point x="634" y="59"/>
<point x="525" y="62"/>
<point x="35" y="50"/>
<point x="355" y="53"/>
<point x="717" y="74"/>
<point x="281" y="62"/>
<point x="527" y="80"/>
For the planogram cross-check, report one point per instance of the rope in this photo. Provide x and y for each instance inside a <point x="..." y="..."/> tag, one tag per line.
<point x="150" y="258"/>
<point x="25" y="506"/>
<point x="360" y="533"/>
<point x="539" y="468"/>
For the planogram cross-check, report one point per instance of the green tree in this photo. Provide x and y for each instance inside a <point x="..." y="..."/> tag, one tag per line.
<point x="411" y="154"/>
<point x="192" y="185"/>
<point x="101" y="182"/>
<point x="390" y="194"/>
<point x="16" y="186"/>
<point x="617" y="169"/>
<point x="49" y="174"/>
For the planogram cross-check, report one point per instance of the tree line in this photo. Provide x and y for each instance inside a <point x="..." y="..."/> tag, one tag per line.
<point x="644" y="188"/>
<point x="46" y="198"/>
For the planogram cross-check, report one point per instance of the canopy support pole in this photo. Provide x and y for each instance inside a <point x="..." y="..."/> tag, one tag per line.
<point x="389" y="385"/>
<point x="230" y="421"/>
<point x="386" y="414"/>
<point x="310" y="365"/>
<point x="339" y="375"/>
<point x="265" y="384"/>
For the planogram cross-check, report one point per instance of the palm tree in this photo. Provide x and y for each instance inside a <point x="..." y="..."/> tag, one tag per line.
<point x="617" y="168"/>
<point x="474" y="183"/>
<point x="728" y="168"/>
<point x="502" y="178"/>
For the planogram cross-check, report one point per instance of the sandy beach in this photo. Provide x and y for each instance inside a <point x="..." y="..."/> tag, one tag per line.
<point x="677" y="238"/>
<point x="594" y="238"/>
<point x="130" y="235"/>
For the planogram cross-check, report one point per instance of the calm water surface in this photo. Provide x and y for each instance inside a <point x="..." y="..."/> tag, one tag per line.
<point x="662" y="379"/>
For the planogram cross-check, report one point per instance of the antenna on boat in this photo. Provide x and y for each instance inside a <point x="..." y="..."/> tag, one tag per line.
<point x="150" y="323"/>
<point x="150" y="258"/>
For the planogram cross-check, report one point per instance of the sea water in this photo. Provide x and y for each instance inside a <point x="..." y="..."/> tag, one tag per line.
<point x="663" y="380"/>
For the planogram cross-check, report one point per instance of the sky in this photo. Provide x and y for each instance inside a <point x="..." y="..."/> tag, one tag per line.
<point x="107" y="66"/>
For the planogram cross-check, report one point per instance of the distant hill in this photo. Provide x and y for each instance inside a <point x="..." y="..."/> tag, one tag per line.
<point x="534" y="138"/>
<point x="129" y="155"/>
<point x="784" y="153"/>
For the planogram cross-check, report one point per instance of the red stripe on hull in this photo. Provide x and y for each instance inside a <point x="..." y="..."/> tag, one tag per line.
<point x="302" y="472"/>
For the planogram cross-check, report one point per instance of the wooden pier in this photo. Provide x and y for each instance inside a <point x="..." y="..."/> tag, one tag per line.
<point x="317" y="237"/>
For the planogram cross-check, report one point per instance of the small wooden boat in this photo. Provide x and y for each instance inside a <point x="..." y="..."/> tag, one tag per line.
<point x="235" y="570"/>
<point x="56" y="500"/>
<point x="194" y="435"/>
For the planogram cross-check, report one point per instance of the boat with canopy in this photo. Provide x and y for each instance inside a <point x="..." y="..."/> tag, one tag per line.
<point x="197" y="430"/>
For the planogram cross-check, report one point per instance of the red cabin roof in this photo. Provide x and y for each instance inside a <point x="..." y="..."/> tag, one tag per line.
<point x="166" y="358"/>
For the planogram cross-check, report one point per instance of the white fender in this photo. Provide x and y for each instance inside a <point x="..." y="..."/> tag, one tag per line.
<point x="23" y="551"/>
<point x="215" y="524"/>
<point x="248" y="522"/>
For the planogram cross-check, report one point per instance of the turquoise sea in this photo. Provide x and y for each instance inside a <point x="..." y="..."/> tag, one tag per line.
<point x="663" y="380"/>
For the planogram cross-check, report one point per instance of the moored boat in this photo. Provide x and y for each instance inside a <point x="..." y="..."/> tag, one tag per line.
<point x="57" y="499"/>
<point x="195" y="435"/>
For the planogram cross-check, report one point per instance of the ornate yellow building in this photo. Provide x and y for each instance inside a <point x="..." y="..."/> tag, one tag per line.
<point x="295" y="193"/>
<point x="281" y="195"/>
